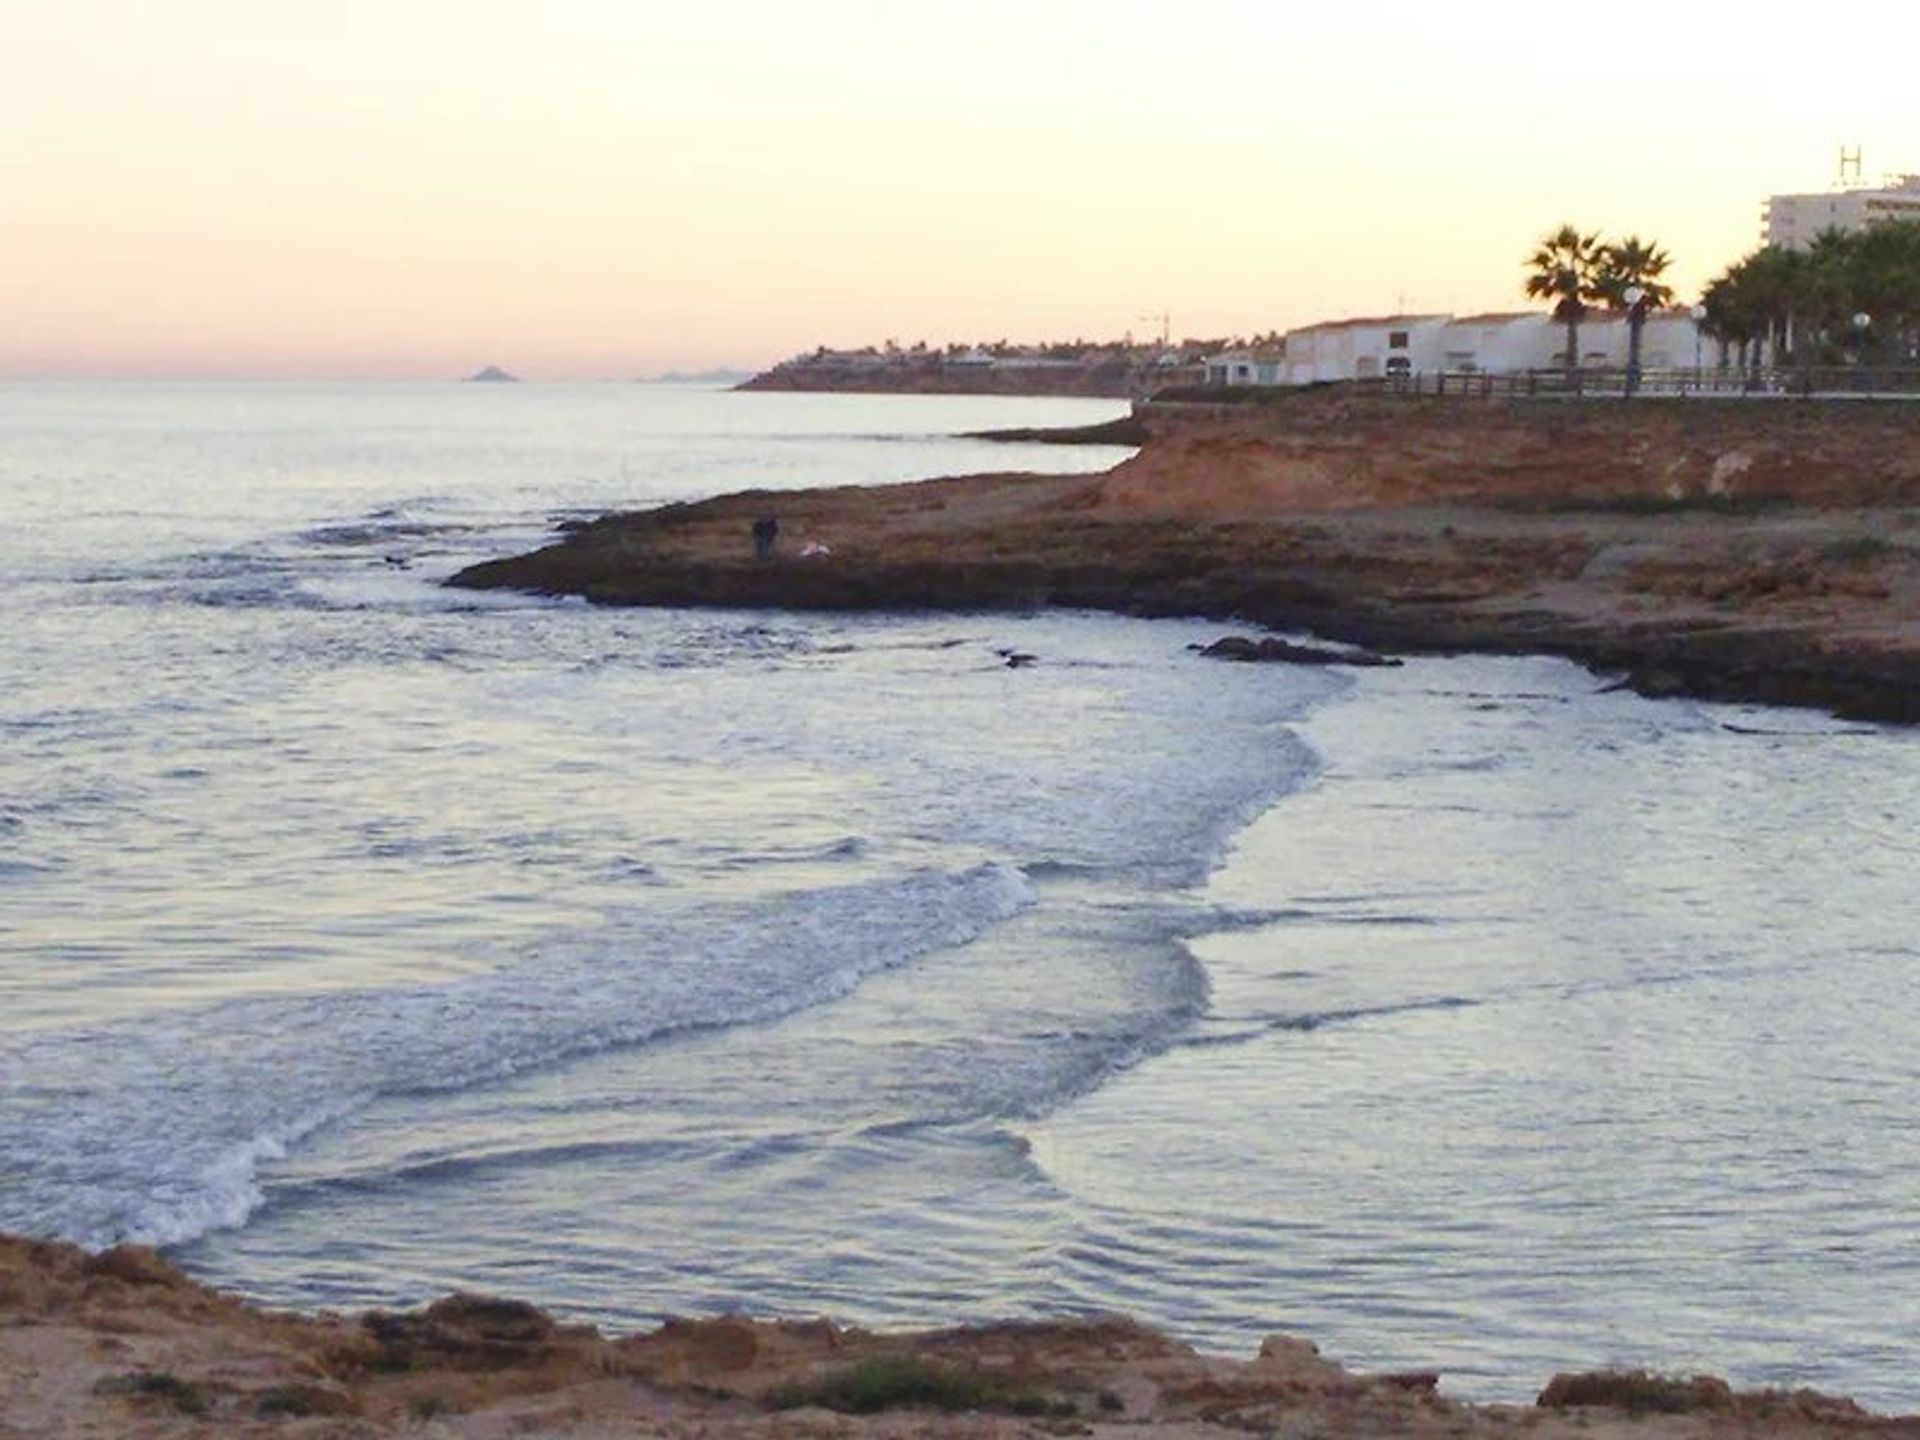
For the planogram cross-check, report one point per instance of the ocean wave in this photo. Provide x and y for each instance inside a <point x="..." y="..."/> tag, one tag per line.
<point x="148" y="1132"/>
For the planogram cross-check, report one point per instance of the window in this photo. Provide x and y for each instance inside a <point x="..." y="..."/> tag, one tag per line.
<point x="1396" y="340"/>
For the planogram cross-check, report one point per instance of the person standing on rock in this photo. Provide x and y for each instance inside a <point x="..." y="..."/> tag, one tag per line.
<point x="765" y="531"/>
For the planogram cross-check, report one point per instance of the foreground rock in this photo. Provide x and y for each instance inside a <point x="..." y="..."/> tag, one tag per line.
<point x="1765" y="553"/>
<point x="124" y="1345"/>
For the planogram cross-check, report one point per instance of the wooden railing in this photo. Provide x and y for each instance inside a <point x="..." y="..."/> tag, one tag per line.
<point x="1777" y="381"/>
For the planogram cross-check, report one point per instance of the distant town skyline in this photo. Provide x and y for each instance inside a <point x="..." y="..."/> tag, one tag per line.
<point x="592" y="189"/>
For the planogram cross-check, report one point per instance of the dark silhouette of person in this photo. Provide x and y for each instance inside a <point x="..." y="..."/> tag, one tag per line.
<point x="765" y="531"/>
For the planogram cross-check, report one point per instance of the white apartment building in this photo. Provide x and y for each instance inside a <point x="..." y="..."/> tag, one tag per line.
<point x="1512" y="342"/>
<point x="1794" y="220"/>
<point x="1505" y="342"/>
<point x="1370" y="348"/>
<point x="1508" y="342"/>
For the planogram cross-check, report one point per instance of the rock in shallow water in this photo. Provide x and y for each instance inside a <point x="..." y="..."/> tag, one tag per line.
<point x="1267" y="648"/>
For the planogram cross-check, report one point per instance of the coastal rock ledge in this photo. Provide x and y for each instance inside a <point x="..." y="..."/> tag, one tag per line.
<point x="1765" y="551"/>
<point x="124" y="1344"/>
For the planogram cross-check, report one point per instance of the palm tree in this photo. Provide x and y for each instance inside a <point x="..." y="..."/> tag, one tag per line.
<point x="1774" y="276"/>
<point x="1886" y="265"/>
<point x="1627" y="266"/>
<point x="1563" y="269"/>
<point x="1806" y="306"/>
<point x="1734" y="317"/>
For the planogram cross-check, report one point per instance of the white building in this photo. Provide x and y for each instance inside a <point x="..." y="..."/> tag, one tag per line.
<point x="1502" y="343"/>
<point x="1365" y="349"/>
<point x="1246" y="367"/>
<point x="1510" y="342"/>
<point x="1513" y="342"/>
<point x="1794" y="220"/>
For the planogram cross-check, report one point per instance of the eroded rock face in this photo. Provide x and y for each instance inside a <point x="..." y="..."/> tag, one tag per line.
<point x="1335" y="452"/>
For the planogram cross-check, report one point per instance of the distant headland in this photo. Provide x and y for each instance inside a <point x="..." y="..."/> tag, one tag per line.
<point x="492" y="375"/>
<point x="1120" y="369"/>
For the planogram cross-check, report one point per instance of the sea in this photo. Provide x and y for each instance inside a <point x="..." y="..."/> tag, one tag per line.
<point x="363" y="939"/>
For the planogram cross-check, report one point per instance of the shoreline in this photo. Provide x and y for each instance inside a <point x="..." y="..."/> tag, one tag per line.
<point x="1764" y="555"/>
<point x="124" y="1343"/>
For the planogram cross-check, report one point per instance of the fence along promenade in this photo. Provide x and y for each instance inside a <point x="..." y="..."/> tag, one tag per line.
<point x="1774" y="382"/>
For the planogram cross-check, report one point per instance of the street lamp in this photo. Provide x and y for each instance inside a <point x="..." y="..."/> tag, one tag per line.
<point x="1861" y="320"/>
<point x="1633" y="295"/>
<point x="1699" y="313"/>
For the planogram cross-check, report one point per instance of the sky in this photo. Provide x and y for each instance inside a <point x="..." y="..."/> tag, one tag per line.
<point x="583" y="189"/>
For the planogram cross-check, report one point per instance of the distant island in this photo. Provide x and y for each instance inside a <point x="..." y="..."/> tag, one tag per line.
<point x="491" y="375"/>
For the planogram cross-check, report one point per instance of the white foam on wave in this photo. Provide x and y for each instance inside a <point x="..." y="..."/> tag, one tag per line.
<point x="155" y="1131"/>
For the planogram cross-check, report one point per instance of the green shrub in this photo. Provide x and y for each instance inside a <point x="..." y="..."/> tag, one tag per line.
<point x="183" y="1395"/>
<point x="907" y="1382"/>
<point x="297" y="1400"/>
<point x="1859" y="551"/>
<point x="1639" y="1392"/>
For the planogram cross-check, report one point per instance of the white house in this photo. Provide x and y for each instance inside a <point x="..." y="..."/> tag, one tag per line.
<point x="1365" y="349"/>
<point x="1509" y="342"/>
<point x="1669" y="340"/>
<point x="1500" y="343"/>
<point x="1246" y="367"/>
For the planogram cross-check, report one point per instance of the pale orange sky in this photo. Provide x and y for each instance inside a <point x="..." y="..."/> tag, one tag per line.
<point x="599" y="188"/>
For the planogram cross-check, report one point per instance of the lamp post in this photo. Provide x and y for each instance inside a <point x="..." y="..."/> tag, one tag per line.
<point x="1633" y="295"/>
<point x="1861" y="321"/>
<point x="1699" y="313"/>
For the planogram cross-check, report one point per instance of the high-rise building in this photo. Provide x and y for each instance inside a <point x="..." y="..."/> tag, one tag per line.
<point x="1793" y="220"/>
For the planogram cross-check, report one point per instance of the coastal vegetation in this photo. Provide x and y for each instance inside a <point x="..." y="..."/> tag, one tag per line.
<point x="1576" y="271"/>
<point x="1564" y="268"/>
<point x="1629" y="279"/>
<point x="914" y="1382"/>
<point x="1849" y="298"/>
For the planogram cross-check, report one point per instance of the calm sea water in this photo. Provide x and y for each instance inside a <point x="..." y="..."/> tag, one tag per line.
<point x="362" y="939"/>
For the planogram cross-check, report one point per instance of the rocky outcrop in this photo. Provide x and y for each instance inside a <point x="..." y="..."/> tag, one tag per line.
<point x="1572" y="541"/>
<point x="1131" y="429"/>
<point x="1336" y="450"/>
<point x="135" y="1348"/>
<point x="1269" y="649"/>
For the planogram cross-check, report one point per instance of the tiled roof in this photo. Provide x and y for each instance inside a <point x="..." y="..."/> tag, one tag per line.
<point x="1365" y="321"/>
